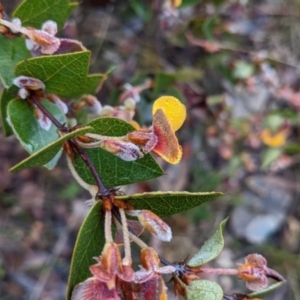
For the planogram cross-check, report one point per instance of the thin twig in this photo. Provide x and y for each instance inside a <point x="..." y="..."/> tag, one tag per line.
<point x="103" y="190"/>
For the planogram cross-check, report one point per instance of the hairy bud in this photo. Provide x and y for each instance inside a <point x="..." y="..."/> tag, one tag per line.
<point x="124" y="150"/>
<point x="48" y="43"/>
<point x="50" y="27"/>
<point x="29" y="83"/>
<point x="154" y="224"/>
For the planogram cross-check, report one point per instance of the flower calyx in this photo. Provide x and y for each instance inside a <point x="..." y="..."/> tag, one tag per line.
<point x="255" y="272"/>
<point x="149" y="282"/>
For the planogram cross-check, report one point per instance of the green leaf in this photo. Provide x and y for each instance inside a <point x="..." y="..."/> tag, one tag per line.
<point x="175" y="92"/>
<point x="168" y="203"/>
<point x="6" y="96"/>
<point x="211" y="248"/>
<point x="35" y="12"/>
<point x="188" y="74"/>
<point x="269" y="156"/>
<point x="93" y="83"/>
<point x="162" y="81"/>
<point x="204" y="290"/>
<point x="64" y="75"/>
<point x="47" y="153"/>
<point x="90" y="242"/>
<point x="273" y="122"/>
<point x="243" y="70"/>
<point x="113" y="170"/>
<point x="142" y="10"/>
<point x="12" y="51"/>
<point x="208" y="27"/>
<point x="266" y="291"/>
<point x="28" y="130"/>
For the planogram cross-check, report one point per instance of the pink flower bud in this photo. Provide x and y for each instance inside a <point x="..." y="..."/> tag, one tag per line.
<point x="93" y="103"/>
<point x="29" y="83"/>
<point x="48" y="43"/>
<point x="154" y="224"/>
<point x="50" y="27"/>
<point x="124" y="150"/>
<point x="59" y="103"/>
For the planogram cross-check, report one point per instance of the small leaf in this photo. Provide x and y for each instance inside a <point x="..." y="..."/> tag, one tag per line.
<point x="35" y="12"/>
<point x="168" y="203"/>
<point x="27" y="129"/>
<point x="93" y="83"/>
<point x="204" y="290"/>
<point x="12" y="51"/>
<point x="44" y="155"/>
<point x="162" y="81"/>
<point x="266" y="291"/>
<point x="90" y="242"/>
<point x="6" y="96"/>
<point x="269" y="156"/>
<point x="211" y="248"/>
<point x="64" y="74"/>
<point x="113" y="170"/>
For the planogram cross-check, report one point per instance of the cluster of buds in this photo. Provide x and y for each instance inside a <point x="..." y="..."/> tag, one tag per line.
<point x="113" y="280"/>
<point x="29" y="87"/>
<point x="254" y="271"/>
<point x="40" y="41"/>
<point x="112" y="276"/>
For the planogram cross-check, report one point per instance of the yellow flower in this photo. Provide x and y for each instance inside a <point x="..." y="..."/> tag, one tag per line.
<point x="168" y="116"/>
<point x="273" y="140"/>
<point x="176" y="3"/>
<point x="173" y="109"/>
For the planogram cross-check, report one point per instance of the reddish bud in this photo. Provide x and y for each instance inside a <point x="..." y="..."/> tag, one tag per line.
<point x="93" y="103"/>
<point x="154" y="224"/>
<point x="48" y="43"/>
<point x="126" y="151"/>
<point x="140" y="137"/>
<point x="93" y="289"/>
<point x="29" y="83"/>
<point x="59" y="103"/>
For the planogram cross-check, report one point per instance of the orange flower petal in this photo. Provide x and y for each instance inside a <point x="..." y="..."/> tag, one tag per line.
<point x="167" y="144"/>
<point x="176" y="3"/>
<point x="174" y="110"/>
<point x="273" y="140"/>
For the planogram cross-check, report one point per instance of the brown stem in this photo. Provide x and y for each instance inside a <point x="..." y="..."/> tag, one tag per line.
<point x="37" y="102"/>
<point x="102" y="189"/>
